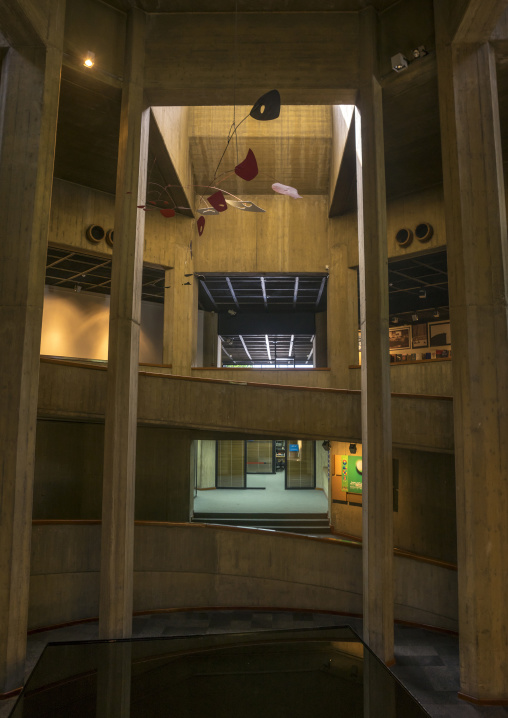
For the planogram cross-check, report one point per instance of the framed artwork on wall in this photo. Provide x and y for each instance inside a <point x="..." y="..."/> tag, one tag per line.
<point x="439" y="334"/>
<point x="420" y="338"/>
<point x="400" y="338"/>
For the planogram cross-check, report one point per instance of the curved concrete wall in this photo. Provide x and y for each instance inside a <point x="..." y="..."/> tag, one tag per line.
<point x="182" y="565"/>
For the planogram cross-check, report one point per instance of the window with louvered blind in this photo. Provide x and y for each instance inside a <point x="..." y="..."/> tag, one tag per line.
<point x="260" y="457"/>
<point x="230" y="465"/>
<point x="300" y="465"/>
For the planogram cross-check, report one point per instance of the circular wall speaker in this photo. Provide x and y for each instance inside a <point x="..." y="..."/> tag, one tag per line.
<point x="109" y="237"/>
<point x="424" y="231"/>
<point x="94" y="233"/>
<point x="404" y="237"/>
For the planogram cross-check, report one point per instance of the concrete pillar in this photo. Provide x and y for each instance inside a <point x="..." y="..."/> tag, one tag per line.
<point x="181" y="316"/>
<point x="375" y="373"/>
<point x="210" y="338"/>
<point x="115" y="609"/>
<point x="341" y="315"/>
<point x="29" y="93"/>
<point x="478" y="283"/>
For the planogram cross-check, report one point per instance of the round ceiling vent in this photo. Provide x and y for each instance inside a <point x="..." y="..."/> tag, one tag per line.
<point x="109" y="237"/>
<point x="424" y="231"/>
<point x="94" y="233"/>
<point x="404" y="237"/>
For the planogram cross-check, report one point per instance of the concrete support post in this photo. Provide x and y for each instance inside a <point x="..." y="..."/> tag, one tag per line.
<point x="375" y="372"/>
<point x="183" y="312"/>
<point x="115" y="610"/>
<point x="342" y="317"/>
<point x="29" y="94"/>
<point x="478" y="282"/>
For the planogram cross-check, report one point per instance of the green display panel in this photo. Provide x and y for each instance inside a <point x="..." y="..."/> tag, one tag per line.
<point x="354" y="474"/>
<point x="351" y="473"/>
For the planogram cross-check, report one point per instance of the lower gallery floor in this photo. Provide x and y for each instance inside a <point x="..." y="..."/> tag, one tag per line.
<point x="264" y="493"/>
<point x="427" y="662"/>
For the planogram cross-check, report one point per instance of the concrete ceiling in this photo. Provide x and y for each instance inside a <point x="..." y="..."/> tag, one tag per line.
<point x="294" y="149"/>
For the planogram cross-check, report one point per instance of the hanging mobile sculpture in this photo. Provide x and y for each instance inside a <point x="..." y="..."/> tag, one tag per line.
<point x="266" y="108"/>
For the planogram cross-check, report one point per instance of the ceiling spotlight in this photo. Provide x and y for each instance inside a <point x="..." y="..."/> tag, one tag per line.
<point x="89" y="60"/>
<point x="352" y="448"/>
<point x="420" y="51"/>
<point x="399" y="62"/>
<point x="435" y="314"/>
<point x="232" y="312"/>
<point x="395" y="320"/>
<point x="422" y="293"/>
<point x="77" y="287"/>
<point x="414" y="317"/>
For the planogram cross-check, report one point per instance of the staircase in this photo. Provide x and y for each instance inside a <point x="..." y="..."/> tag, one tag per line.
<point x="293" y="523"/>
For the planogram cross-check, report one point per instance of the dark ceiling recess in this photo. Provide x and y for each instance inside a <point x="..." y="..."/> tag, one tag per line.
<point x="269" y="293"/>
<point x="411" y="278"/>
<point x="89" y="273"/>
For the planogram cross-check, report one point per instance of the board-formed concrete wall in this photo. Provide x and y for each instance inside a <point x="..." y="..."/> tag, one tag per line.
<point x="192" y="566"/>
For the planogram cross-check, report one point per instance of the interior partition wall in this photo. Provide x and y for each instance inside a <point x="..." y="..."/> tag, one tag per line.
<point x="260" y="456"/>
<point x="300" y="464"/>
<point x="230" y="465"/>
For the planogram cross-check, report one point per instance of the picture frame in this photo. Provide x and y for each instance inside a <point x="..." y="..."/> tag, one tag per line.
<point x="400" y="338"/>
<point x="420" y="338"/>
<point x="439" y="334"/>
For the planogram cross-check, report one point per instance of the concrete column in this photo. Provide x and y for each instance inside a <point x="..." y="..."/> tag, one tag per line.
<point x="342" y="316"/>
<point x="29" y="93"/>
<point x="115" y="610"/>
<point x="375" y="373"/>
<point x="210" y="338"/>
<point x="478" y="282"/>
<point x="182" y="312"/>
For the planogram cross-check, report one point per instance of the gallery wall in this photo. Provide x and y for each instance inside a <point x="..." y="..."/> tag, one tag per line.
<point x="76" y="324"/>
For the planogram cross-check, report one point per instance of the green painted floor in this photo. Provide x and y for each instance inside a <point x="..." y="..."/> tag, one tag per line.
<point x="273" y="499"/>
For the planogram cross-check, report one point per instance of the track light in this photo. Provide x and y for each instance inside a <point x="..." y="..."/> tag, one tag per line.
<point x="435" y="314"/>
<point x="414" y="317"/>
<point x="89" y="60"/>
<point x="422" y="293"/>
<point x="399" y="62"/>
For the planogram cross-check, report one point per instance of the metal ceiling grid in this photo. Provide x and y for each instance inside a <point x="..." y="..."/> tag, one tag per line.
<point x="407" y="278"/>
<point x="91" y="273"/>
<point x="255" y="293"/>
<point x="275" y="349"/>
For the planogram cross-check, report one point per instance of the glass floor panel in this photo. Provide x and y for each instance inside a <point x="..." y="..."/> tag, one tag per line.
<point x="310" y="673"/>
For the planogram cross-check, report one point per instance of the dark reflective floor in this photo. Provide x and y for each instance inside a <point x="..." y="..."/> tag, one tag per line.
<point x="273" y="674"/>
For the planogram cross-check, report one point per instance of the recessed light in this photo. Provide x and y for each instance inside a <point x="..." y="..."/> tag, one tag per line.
<point x="89" y="60"/>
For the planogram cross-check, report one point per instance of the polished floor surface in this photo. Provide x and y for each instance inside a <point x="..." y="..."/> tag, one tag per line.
<point x="272" y="498"/>
<point x="427" y="662"/>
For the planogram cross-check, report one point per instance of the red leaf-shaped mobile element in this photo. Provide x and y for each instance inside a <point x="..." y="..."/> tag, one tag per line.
<point x="218" y="201"/>
<point x="167" y="212"/>
<point x="201" y="226"/>
<point x="152" y="201"/>
<point x="247" y="169"/>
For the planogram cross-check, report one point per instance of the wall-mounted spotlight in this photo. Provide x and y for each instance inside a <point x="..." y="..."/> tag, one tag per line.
<point x="232" y="312"/>
<point x="436" y="314"/>
<point x="419" y="51"/>
<point x="89" y="60"/>
<point x="352" y="448"/>
<point x="414" y="317"/>
<point x="422" y="294"/>
<point x="395" y="320"/>
<point x="399" y="62"/>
